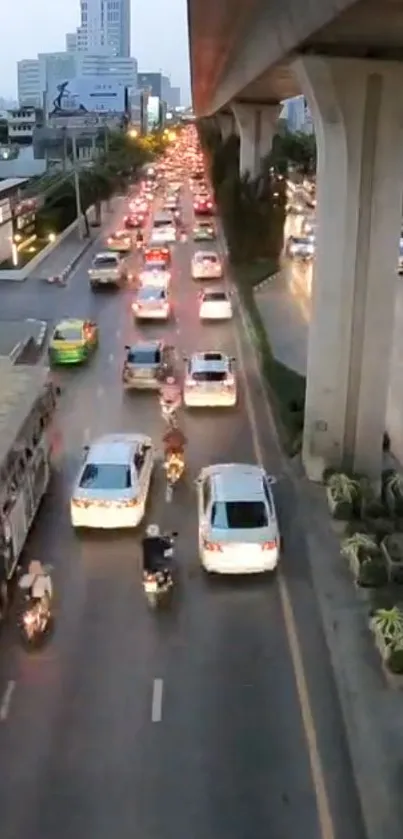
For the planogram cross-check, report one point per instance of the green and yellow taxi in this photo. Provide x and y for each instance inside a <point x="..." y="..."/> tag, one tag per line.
<point x="73" y="341"/>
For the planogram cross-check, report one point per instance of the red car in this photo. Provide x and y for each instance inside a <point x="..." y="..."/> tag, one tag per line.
<point x="203" y="206"/>
<point x="134" y="221"/>
<point x="157" y="256"/>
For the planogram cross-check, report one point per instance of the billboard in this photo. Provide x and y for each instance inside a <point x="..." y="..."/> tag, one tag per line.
<point x="153" y="113"/>
<point x="87" y="96"/>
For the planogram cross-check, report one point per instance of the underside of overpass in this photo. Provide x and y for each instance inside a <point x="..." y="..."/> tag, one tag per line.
<point x="244" y="49"/>
<point x="346" y="58"/>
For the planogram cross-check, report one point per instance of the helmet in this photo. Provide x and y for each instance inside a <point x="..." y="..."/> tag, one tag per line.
<point x="153" y="531"/>
<point x="170" y="380"/>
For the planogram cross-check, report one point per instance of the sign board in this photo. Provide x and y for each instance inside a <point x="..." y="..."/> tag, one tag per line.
<point x="5" y="210"/>
<point x="153" y="112"/>
<point x="85" y="96"/>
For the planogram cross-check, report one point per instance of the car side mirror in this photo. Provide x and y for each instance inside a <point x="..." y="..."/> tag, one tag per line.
<point x="86" y="449"/>
<point x="175" y="533"/>
<point x="197" y="482"/>
<point x="185" y="358"/>
<point x="271" y="480"/>
<point x="127" y="347"/>
<point x="232" y="358"/>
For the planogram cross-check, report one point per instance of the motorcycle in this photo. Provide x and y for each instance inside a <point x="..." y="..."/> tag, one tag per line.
<point x="169" y="413"/>
<point x="159" y="584"/>
<point x="174" y="468"/>
<point x="34" y="625"/>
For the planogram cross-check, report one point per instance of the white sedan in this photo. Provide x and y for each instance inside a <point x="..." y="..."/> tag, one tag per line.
<point x="215" y="304"/>
<point x="113" y="482"/>
<point x="210" y="381"/>
<point x="238" y="528"/>
<point x="157" y="277"/>
<point x="206" y="265"/>
<point x="151" y="303"/>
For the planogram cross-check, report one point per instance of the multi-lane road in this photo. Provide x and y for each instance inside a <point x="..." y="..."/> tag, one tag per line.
<point x="217" y="719"/>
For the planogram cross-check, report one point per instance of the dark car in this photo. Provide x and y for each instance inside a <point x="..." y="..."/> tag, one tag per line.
<point x="134" y="221"/>
<point x="146" y="364"/>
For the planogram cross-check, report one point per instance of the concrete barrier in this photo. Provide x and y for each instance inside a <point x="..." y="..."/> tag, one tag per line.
<point x="18" y="275"/>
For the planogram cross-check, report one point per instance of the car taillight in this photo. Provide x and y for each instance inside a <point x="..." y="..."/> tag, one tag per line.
<point x="80" y="502"/>
<point x="190" y="383"/>
<point x="209" y="205"/>
<point x="214" y="547"/>
<point x="229" y="381"/>
<point x="269" y="546"/>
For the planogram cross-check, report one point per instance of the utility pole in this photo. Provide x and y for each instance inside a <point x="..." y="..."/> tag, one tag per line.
<point x="77" y="188"/>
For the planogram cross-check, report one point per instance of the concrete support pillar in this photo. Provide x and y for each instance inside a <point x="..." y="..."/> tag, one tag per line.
<point x="256" y="125"/>
<point x="357" y="108"/>
<point x="227" y="125"/>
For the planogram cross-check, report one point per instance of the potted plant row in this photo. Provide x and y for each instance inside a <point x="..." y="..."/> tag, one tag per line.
<point x="387" y="628"/>
<point x="366" y="560"/>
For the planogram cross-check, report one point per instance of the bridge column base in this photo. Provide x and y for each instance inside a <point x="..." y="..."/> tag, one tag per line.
<point x="358" y="115"/>
<point x="256" y="125"/>
<point x="226" y="123"/>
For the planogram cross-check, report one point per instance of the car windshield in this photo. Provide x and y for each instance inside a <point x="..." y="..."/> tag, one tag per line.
<point x="149" y="293"/>
<point x="68" y="333"/>
<point x="105" y="261"/>
<point x="144" y="358"/>
<point x="214" y="296"/>
<point x="301" y="241"/>
<point x="239" y="515"/>
<point x="207" y="257"/>
<point x="106" y="476"/>
<point x="209" y="375"/>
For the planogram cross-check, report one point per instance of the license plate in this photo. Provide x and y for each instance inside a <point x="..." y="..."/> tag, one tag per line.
<point x="141" y="374"/>
<point x="151" y="587"/>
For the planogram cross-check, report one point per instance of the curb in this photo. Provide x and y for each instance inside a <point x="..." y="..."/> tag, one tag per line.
<point x="61" y="279"/>
<point x="39" y="341"/>
<point x="266" y="282"/>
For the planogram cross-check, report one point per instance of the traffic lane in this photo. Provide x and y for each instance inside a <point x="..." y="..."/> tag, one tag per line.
<point x="35" y="298"/>
<point x="300" y="589"/>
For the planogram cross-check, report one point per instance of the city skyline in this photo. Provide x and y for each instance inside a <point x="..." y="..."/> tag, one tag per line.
<point x="45" y="28"/>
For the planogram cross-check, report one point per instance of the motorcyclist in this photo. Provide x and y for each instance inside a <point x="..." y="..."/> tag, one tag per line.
<point x="174" y="443"/>
<point x="37" y="584"/>
<point x="139" y="238"/>
<point x="170" y="394"/>
<point x="155" y="547"/>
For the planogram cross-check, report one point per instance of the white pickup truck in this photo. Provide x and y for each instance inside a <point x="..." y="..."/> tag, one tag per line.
<point x="107" y="269"/>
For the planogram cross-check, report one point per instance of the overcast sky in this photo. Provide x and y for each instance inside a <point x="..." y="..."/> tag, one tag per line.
<point x="159" y="36"/>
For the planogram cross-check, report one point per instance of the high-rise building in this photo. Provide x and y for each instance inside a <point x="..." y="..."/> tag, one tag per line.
<point x="105" y="25"/>
<point x="29" y="82"/>
<point x="121" y="70"/>
<point x="54" y="69"/>
<point x="151" y="82"/>
<point x="71" y="41"/>
<point x="174" y="97"/>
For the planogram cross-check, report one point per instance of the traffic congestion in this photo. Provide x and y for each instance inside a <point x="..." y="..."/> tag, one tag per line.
<point x="163" y="697"/>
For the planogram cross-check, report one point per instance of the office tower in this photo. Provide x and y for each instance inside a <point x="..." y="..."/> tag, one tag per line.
<point x="105" y="26"/>
<point x="29" y="83"/>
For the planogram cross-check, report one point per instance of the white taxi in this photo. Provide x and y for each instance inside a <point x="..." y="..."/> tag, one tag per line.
<point x="238" y="528"/>
<point x="209" y="381"/>
<point x="113" y="483"/>
<point x="163" y="230"/>
<point x="151" y="303"/>
<point x="215" y="304"/>
<point x="206" y="265"/>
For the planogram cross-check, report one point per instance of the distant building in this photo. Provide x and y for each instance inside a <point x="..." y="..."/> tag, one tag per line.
<point x="71" y="41"/>
<point x="151" y="82"/>
<point x="174" y="98"/>
<point x="297" y="115"/>
<point x="21" y="124"/>
<point x="105" y="24"/>
<point x="55" y="68"/>
<point x="122" y="71"/>
<point x="29" y="82"/>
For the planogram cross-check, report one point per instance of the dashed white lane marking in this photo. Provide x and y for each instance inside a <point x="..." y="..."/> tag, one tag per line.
<point x="6" y="700"/>
<point x="156" y="704"/>
<point x="111" y="357"/>
<point x="86" y="435"/>
<point x="100" y="391"/>
<point x="168" y="494"/>
<point x="118" y="333"/>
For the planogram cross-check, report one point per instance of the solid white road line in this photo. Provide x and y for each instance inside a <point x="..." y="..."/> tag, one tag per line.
<point x="6" y="700"/>
<point x="318" y="778"/>
<point x="156" y="705"/>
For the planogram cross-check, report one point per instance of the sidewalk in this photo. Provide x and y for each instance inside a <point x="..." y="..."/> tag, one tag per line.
<point x="284" y="310"/>
<point x="62" y="256"/>
<point x="372" y="710"/>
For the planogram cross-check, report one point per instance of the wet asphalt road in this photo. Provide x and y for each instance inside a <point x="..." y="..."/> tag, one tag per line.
<point x="80" y="757"/>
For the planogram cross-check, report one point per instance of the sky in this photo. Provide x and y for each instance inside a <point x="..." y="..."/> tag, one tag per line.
<point x="159" y="37"/>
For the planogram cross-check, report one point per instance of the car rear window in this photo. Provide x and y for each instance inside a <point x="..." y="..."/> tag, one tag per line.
<point x="106" y="476"/>
<point x="68" y="334"/>
<point x="208" y="257"/>
<point x="214" y="296"/>
<point x="149" y="293"/>
<point x="105" y="261"/>
<point x="165" y="221"/>
<point x="209" y="375"/>
<point x="144" y="357"/>
<point x="239" y="515"/>
<point x="155" y="266"/>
